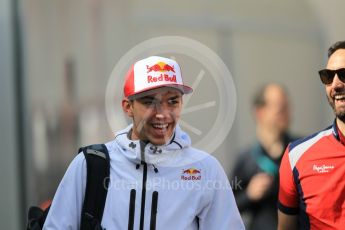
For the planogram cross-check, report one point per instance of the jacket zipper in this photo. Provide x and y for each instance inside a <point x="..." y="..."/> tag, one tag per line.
<point x="143" y="193"/>
<point x="143" y="196"/>
<point x="154" y="210"/>
<point x="131" y="210"/>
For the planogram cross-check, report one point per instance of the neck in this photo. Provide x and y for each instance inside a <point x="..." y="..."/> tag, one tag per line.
<point x="341" y="126"/>
<point x="271" y="140"/>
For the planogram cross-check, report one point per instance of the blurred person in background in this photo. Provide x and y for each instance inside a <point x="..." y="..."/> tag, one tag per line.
<point x="312" y="172"/>
<point x="256" y="168"/>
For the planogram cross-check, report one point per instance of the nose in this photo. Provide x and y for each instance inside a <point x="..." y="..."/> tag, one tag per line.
<point x="337" y="83"/>
<point x="160" y="110"/>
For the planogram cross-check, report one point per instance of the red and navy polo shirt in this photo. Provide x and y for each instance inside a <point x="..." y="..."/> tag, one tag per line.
<point x="312" y="180"/>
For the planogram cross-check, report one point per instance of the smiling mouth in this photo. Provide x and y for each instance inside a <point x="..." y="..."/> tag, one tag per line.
<point x="160" y="126"/>
<point x="339" y="97"/>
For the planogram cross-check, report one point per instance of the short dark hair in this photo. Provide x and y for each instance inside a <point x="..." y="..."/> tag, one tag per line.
<point x="335" y="47"/>
<point x="259" y="98"/>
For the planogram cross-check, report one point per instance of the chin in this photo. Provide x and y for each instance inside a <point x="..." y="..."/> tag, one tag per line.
<point x="160" y="139"/>
<point x="340" y="115"/>
<point x="158" y="142"/>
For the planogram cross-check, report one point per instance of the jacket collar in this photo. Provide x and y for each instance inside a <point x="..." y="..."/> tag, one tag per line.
<point x="138" y="151"/>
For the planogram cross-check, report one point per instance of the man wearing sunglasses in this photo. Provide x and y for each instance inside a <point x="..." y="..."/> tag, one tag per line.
<point x="312" y="172"/>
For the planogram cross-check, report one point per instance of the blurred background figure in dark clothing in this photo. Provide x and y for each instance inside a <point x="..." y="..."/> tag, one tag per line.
<point x="256" y="168"/>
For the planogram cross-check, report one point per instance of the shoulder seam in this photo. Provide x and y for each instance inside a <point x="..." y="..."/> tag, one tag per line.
<point x="299" y="147"/>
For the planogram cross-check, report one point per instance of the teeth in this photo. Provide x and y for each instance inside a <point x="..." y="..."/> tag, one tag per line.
<point x="339" y="97"/>
<point x="160" y="126"/>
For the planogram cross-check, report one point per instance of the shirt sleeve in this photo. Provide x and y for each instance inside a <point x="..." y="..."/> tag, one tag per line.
<point x="65" y="211"/>
<point x="288" y="196"/>
<point x="221" y="212"/>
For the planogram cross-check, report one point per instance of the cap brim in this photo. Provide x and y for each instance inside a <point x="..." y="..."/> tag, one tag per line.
<point x="182" y="88"/>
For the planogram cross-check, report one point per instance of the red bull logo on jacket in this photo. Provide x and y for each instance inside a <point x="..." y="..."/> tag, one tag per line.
<point x="191" y="174"/>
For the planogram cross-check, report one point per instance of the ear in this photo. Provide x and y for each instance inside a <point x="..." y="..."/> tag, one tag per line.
<point x="127" y="107"/>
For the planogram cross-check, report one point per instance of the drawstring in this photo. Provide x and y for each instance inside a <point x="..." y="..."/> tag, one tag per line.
<point x="137" y="166"/>
<point x="154" y="168"/>
<point x="142" y="153"/>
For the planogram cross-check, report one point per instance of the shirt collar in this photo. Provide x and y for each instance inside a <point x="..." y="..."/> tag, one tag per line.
<point x="337" y="133"/>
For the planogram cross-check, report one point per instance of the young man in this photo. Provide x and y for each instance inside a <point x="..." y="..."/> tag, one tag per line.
<point x="312" y="172"/>
<point x="258" y="165"/>
<point x="176" y="186"/>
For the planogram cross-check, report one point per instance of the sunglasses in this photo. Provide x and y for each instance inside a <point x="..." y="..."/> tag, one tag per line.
<point x="327" y="75"/>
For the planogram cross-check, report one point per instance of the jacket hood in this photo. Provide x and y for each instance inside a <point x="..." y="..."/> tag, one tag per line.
<point x="137" y="151"/>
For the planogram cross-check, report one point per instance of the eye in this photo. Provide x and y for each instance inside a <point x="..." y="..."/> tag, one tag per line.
<point x="148" y="102"/>
<point x="172" y="102"/>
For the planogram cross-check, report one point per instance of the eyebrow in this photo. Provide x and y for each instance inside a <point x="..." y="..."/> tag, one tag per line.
<point x="174" y="97"/>
<point x="147" y="98"/>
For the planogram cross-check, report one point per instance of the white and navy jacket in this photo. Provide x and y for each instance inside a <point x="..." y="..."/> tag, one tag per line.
<point x="175" y="187"/>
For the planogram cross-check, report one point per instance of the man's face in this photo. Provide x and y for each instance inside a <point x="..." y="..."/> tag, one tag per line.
<point x="336" y="90"/>
<point x="155" y="115"/>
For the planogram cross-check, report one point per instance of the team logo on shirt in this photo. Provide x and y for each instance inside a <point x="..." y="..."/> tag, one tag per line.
<point x="191" y="174"/>
<point x="323" y="168"/>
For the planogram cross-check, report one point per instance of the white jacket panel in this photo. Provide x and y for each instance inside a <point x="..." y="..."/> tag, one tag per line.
<point x="193" y="190"/>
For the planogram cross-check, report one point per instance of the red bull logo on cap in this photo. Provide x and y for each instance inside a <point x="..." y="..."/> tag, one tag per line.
<point x="154" y="72"/>
<point x="160" y="78"/>
<point x="161" y="68"/>
<point x="191" y="174"/>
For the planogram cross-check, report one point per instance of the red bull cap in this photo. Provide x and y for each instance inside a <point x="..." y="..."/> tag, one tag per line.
<point x="152" y="73"/>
